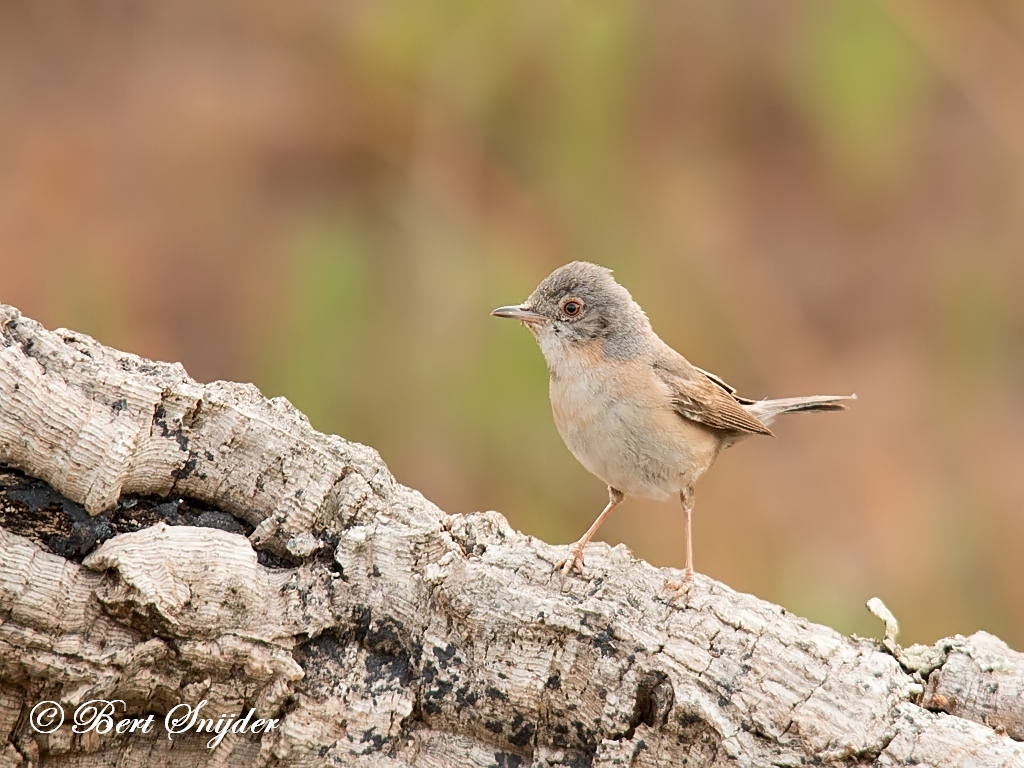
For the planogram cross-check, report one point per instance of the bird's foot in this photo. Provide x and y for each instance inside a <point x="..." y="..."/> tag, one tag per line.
<point x="574" y="562"/>
<point x="682" y="587"/>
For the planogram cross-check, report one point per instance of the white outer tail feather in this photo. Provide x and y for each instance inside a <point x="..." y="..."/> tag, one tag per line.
<point x="766" y="411"/>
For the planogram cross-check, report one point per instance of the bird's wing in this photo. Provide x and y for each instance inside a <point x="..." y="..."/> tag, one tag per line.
<point x="727" y="387"/>
<point x="702" y="397"/>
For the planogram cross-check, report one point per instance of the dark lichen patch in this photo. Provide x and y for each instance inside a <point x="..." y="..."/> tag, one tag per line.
<point x="508" y="760"/>
<point x="380" y="666"/>
<point x="602" y="638"/>
<point x="584" y="735"/>
<point x="695" y="731"/>
<point x="389" y="651"/>
<point x="327" y="657"/>
<point x="360" y="622"/>
<point x="523" y="736"/>
<point x="331" y="662"/>
<point x="447" y="656"/>
<point x="376" y="741"/>
<point x="466" y="697"/>
<point x="579" y="759"/>
<point x="170" y="429"/>
<point x="435" y="690"/>
<point x="604" y="642"/>
<point x="441" y="680"/>
<point x="521" y="732"/>
<point x="186" y="469"/>
<point x="560" y="735"/>
<point x="31" y="508"/>
<point x="318" y="653"/>
<point x="383" y="634"/>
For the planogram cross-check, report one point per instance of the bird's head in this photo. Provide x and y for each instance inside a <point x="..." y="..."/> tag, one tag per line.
<point x="581" y="304"/>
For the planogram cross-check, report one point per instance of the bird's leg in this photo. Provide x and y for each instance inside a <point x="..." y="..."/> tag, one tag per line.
<point x="686" y="497"/>
<point x="575" y="559"/>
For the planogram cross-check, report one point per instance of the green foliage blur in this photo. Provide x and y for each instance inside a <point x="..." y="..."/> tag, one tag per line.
<point x="327" y="200"/>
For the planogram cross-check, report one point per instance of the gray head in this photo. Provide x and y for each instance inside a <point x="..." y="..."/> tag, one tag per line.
<point x="581" y="303"/>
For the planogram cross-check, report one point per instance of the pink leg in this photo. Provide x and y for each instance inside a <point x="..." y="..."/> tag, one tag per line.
<point x="575" y="559"/>
<point x="687" y="498"/>
<point x="683" y="585"/>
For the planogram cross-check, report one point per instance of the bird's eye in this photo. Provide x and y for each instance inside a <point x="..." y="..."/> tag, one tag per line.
<point x="572" y="307"/>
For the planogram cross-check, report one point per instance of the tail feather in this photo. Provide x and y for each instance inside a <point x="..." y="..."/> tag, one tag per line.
<point x="767" y="410"/>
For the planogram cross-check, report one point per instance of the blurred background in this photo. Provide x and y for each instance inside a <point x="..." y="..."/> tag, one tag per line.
<point x="328" y="198"/>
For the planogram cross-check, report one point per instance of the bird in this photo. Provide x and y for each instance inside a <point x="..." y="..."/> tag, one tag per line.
<point x="633" y="411"/>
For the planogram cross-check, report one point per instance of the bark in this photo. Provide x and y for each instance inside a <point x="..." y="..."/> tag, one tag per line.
<point x="166" y="542"/>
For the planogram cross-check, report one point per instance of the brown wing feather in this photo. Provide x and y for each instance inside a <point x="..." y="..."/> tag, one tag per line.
<point x="727" y="387"/>
<point x="701" y="397"/>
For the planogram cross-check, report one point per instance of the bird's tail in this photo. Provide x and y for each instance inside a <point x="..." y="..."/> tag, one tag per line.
<point x="766" y="411"/>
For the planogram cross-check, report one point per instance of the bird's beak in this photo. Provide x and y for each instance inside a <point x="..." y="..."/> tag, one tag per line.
<point x="525" y="314"/>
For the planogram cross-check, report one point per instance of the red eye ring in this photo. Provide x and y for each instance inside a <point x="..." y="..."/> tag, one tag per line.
<point x="572" y="307"/>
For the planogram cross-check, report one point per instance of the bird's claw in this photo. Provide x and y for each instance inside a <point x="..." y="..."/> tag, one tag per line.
<point x="574" y="562"/>
<point x="682" y="587"/>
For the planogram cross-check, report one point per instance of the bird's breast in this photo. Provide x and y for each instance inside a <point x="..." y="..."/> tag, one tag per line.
<point x="616" y="419"/>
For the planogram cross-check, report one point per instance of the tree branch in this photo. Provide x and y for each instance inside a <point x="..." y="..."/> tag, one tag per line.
<point x="380" y="630"/>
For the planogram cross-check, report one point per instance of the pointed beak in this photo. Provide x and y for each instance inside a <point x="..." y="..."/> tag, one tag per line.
<point x="525" y="314"/>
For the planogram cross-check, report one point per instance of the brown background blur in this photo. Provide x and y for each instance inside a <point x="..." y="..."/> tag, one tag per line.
<point x="327" y="199"/>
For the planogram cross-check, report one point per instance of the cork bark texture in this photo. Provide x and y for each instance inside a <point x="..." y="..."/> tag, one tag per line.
<point x="164" y="542"/>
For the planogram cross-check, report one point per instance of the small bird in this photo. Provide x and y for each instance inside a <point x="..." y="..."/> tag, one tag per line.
<point x="631" y="409"/>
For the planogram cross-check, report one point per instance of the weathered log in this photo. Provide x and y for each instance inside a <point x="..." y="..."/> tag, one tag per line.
<point x="381" y="631"/>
